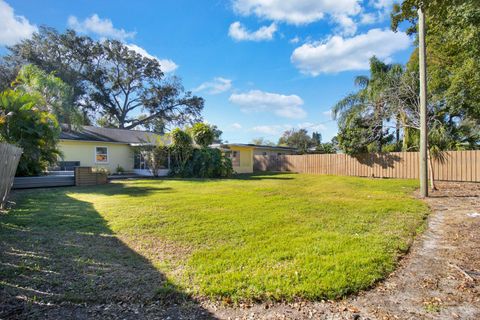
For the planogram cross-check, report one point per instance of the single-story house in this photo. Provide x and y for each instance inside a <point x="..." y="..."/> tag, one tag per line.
<point x="111" y="149"/>
<point x="242" y="154"/>
<point x="106" y="148"/>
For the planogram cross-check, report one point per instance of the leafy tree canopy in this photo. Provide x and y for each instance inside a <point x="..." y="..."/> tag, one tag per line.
<point x="262" y="142"/>
<point x="298" y="139"/>
<point x="52" y="93"/>
<point x="111" y="83"/>
<point x="203" y="134"/>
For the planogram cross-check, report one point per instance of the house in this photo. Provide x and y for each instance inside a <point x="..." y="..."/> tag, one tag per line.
<point x="112" y="149"/>
<point x="106" y="148"/>
<point x="242" y="155"/>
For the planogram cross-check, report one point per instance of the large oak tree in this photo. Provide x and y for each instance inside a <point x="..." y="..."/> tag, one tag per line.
<point x="114" y="85"/>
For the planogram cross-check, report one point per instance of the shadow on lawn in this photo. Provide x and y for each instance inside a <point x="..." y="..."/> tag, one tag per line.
<point x="134" y="189"/>
<point x="59" y="260"/>
<point x="240" y="176"/>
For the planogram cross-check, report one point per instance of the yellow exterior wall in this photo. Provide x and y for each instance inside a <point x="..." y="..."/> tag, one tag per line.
<point x="246" y="159"/>
<point x="84" y="151"/>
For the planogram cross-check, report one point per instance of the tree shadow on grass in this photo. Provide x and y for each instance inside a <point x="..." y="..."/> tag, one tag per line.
<point x="133" y="188"/>
<point x="60" y="260"/>
<point x="240" y="176"/>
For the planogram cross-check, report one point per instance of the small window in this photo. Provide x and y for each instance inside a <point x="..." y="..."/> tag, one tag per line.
<point x="235" y="155"/>
<point x="101" y="155"/>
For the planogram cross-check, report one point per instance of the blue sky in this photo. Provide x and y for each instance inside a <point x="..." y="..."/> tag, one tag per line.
<point x="262" y="66"/>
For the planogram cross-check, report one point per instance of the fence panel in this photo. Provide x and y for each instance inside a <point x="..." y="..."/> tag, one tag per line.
<point x="453" y="166"/>
<point x="9" y="157"/>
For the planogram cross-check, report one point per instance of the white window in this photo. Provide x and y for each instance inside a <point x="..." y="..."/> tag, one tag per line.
<point x="235" y="155"/>
<point x="101" y="154"/>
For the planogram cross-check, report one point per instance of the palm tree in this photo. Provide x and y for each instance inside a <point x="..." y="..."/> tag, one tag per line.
<point x="369" y="102"/>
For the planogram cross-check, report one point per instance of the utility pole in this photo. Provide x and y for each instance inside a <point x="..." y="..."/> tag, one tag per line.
<point x="423" y="105"/>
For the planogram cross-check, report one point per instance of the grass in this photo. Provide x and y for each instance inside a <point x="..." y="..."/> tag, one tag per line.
<point x="258" y="237"/>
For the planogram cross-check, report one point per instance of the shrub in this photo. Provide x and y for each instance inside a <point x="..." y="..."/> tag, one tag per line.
<point x="26" y="125"/>
<point x="208" y="163"/>
<point x="200" y="163"/>
<point x="181" y="150"/>
<point x="119" y="169"/>
<point x="202" y="134"/>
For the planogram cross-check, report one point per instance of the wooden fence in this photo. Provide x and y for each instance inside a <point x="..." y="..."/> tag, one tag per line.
<point x="9" y="157"/>
<point x="456" y="165"/>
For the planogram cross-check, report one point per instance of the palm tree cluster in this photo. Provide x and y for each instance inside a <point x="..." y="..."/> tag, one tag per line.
<point x="383" y="116"/>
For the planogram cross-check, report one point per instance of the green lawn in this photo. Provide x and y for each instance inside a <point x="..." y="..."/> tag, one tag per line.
<point x="278" y="236"/>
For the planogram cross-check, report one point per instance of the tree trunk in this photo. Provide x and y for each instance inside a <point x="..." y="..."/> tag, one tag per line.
<point x="397" y="130"/>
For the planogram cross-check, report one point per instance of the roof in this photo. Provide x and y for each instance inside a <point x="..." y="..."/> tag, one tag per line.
<point x="91" y="133"/>
<point x="255" y="146"/>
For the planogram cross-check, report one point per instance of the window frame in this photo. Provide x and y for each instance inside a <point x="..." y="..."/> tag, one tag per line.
<point x="235" y="157"/>
<point x="106" y="154"/>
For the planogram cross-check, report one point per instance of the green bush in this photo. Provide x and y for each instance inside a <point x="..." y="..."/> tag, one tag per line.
<point x="189" y="162"/>
<point x="202" y="134"/>
<point x="36" y="131"/>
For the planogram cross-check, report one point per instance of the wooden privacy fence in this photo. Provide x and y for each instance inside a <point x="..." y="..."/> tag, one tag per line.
<point x="456" y="165"/>
<point x="9" y="157"/>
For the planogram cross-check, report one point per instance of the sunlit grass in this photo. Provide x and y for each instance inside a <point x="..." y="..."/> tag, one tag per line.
<point x="257" y="237"/>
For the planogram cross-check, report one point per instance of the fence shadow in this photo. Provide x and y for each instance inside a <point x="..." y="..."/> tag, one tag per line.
<point x="385" y="160"/>
<point x="60" y="260"/>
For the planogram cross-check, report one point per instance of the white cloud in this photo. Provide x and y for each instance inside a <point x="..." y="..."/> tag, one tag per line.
<point x="294" y="40"/>
<point x="309" y="126"/>
<point x="166" y="65"/>
<point x="278" y="129"/>
<point x="342" y="54"/>
<point x="296" y="12"/>
<point x="13" y="27"/>
<point x="236" y="126"/>
<point x="281" y="105"/>
<point x="347" y="26"/>
<point x="101" y="27"/>
<point x="328" y="113"/>
<point x="271" y="130"/>
<point x="368" y="18"/>
<point x="238" y="32"/>
<point x="218" y="85"/>
<point x="381" y="4"/>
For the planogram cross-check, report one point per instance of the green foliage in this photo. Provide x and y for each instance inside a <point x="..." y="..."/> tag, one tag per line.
<point x="202" y="163"/>
<point x="120" y="86"/>
<point x="361" y="115"/>
<point x="202" y="134"/>
<point x="53" y="94"/>
<point x="261" y="141"/>
<point x="453" y="54"/>
<point x="30" y="127"/>
<point x="326" y="147"/>
<point x="119" y="170"/>
<point x="155" y="154"/>
<point x="298" y="139"/>
<point x="181" y="150"/>
<point x="207" y="163"/>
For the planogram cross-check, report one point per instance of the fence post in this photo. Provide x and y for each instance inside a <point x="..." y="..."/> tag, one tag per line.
<point x="9" y="158"/>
